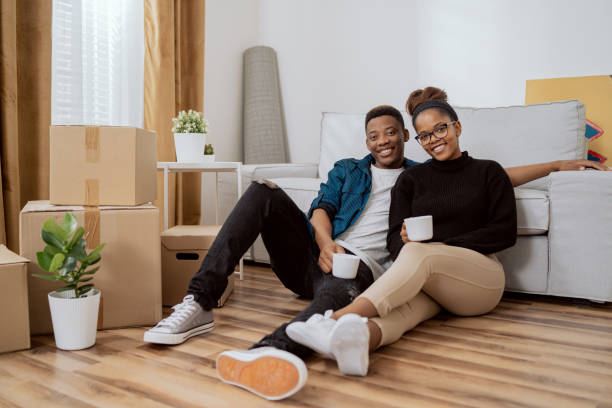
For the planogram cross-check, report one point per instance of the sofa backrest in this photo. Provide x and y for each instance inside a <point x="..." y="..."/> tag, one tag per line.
<point x="513" y="136"/>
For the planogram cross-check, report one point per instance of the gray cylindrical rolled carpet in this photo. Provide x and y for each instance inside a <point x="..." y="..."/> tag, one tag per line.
<point x="264" y="134"/>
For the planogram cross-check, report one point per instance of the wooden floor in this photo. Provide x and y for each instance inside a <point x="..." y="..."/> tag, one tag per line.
<point x="529" y="352"/>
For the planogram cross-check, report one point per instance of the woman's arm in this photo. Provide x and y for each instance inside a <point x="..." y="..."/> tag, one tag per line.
<point x="523" y="174"/>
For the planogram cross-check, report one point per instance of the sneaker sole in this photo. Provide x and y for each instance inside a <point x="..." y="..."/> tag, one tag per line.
<point x="176" y="338"/>
<point x="348" y="341"/>
<point x="273" y="375"/>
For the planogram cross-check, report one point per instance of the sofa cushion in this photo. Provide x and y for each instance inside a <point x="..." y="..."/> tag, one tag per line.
<point x="512" y="136"/>
<point x="531" y="205"/>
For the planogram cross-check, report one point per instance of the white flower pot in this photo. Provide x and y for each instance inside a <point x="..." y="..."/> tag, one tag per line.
<point x="75" y="320"/>
<point x="208" y="158"/>
<point x="189" y="146"/>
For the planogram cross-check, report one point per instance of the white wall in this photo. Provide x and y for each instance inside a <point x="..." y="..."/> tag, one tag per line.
<point x="350" y="55"/>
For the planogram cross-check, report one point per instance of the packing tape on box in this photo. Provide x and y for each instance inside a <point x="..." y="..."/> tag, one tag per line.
<point x="92" y="155"/>
<point x="92" y="226"/>
<point x="92" y="144"/>
<point x="92" y="192"/>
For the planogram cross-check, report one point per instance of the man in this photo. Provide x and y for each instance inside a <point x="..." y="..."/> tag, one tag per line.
<point x="350" y="214"/>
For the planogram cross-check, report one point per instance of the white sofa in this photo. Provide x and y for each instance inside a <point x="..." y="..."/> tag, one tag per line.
<point x="564" y="246"/>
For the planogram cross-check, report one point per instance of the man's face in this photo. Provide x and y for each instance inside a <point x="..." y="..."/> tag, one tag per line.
<point x="385" y="139"/>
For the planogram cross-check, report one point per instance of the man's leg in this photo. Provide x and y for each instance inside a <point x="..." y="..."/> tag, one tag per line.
<point x="263" y="208"/>
<point x="329" y="293"/>
<point x="266" y="209"/>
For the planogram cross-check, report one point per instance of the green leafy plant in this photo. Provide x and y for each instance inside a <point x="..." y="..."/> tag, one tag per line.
<point x="189" y="122"/>
<point x="65" y="257"/>
<point x="208" y="149"/>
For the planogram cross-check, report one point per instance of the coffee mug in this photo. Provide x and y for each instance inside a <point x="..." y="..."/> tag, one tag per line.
<point x="345" y="266"/>
<point x="419" y="228"/>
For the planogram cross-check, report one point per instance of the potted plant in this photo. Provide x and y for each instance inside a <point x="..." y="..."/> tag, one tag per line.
<point x="209" y="153"/>
<point x="190" y="130"/>
<point x="74" y="307"/>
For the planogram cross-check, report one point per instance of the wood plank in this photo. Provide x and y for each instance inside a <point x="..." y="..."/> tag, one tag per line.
<point x="531" y="351"/>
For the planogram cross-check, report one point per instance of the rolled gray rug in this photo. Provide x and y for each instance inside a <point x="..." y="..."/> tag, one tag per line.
<point x="264" y="133"/>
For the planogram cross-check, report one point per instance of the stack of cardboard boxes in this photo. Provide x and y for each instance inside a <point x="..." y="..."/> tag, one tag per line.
<point x="106" y="176"/>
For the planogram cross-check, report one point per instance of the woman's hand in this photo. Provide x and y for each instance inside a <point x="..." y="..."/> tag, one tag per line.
<point x="563" y="165"/>
<point x="326" y="256"/>
<point x="404" y="234"/>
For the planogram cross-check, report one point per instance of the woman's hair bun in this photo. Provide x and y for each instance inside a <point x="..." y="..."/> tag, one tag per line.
<point x="422" y="95"/>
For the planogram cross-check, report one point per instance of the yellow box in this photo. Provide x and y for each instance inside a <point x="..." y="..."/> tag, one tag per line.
<point x="14" y="320"/>
<point x="130" y="271"/>
<point x="102" y="165"/>
<point x="183" y="249"/>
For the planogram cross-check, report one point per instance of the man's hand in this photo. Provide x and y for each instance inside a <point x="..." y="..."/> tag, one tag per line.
<point x="563" y="165"/>
<point x="404" y="234"/>
<point x="326" y="257"/>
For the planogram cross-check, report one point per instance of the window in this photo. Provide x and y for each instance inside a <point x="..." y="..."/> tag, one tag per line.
<point x="97" y="62"/>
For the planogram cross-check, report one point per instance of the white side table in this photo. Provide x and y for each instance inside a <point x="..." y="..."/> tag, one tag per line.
<point x="202" y="167"/>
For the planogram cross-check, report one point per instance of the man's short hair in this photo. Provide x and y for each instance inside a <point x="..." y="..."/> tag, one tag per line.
<point x="383" y="110"/>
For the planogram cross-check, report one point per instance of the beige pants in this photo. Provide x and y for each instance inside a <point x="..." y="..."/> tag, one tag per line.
<point x="425" y="277"/>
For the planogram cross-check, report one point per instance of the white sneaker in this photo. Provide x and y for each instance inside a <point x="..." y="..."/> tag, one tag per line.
<point x="314" y="333"/>
<point x="187" y="320"/>
<point x="349" y="344"/>
<point x="267" y="371"/>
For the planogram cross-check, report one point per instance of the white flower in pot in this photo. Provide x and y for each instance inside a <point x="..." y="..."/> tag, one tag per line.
<point x="74" y="307"/>
<point x="209" y="153"/>
<point x="190" y="130"/>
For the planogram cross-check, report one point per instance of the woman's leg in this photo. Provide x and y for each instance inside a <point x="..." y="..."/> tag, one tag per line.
<point x="461" y="280"/>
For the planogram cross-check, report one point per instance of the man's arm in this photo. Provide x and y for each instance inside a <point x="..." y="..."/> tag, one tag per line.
<point x="523" y="174"/>
<point x="322" y="227"/>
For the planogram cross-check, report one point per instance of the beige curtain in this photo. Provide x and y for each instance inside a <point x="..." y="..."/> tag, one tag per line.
<point x="174" y="81"/>
<point x="25" y="109"/>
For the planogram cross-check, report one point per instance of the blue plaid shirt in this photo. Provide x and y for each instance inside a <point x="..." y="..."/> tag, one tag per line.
<point x="346" y="192"/>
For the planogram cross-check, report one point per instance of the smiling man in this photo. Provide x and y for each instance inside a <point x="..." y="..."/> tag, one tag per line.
<point x="349" y="215"/>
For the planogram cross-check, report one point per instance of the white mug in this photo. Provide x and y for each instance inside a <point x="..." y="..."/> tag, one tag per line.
<point x="345" y="266"/>
<point x="419" y="228"/>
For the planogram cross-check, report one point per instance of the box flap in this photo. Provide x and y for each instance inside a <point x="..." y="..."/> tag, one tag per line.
<point x="9" y="257"/>
<point x="45" y="205"/>
<point x="184" y="237"/>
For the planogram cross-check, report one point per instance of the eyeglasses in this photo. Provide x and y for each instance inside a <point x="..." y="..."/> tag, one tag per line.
<point x="440" y="132"/>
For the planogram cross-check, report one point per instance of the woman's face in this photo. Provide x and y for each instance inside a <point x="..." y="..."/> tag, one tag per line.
<point x="431" y="123"/>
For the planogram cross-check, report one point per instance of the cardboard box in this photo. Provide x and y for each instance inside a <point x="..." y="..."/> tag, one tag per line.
<point x="15" y="332"/>
<point x="183" y="249"/>
<point x="130" y="272"/>
<point x="102" y="165"/>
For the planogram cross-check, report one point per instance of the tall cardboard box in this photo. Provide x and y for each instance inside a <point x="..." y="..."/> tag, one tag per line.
<point x="14" y="320"/>
<point x="102" y="165"/>
<point x="130" y="272"/>
<point x="183" y="249"/>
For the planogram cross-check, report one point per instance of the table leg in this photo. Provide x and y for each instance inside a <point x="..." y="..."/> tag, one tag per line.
<point x="239" y="184"/>
<point x="217" y="198"/>
<point x="165" y="198"/>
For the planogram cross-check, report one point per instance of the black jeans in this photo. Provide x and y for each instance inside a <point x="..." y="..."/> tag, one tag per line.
<point x="267" y="210"/>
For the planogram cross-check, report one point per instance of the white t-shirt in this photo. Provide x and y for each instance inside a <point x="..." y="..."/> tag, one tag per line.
<point x="367" y="237"/>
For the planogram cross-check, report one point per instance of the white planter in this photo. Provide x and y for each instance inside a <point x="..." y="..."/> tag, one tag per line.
<point x="189" y="146"/>
<point x="75" y="320"/>
<point x="208" y="158"/>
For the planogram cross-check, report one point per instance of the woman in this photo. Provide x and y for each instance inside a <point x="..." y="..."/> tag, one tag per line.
<point x="474" y="216"/>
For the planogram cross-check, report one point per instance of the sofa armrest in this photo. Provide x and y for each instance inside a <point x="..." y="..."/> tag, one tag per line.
<point x="252" y="172"/>
<point x="227" y="181"/>
<point x="580" y="234"/>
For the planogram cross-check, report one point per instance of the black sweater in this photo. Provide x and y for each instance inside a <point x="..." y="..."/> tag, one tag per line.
<point x="471" y="201"/>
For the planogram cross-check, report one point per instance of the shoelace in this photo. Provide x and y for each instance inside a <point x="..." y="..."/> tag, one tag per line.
<point x="181" y="311"/>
